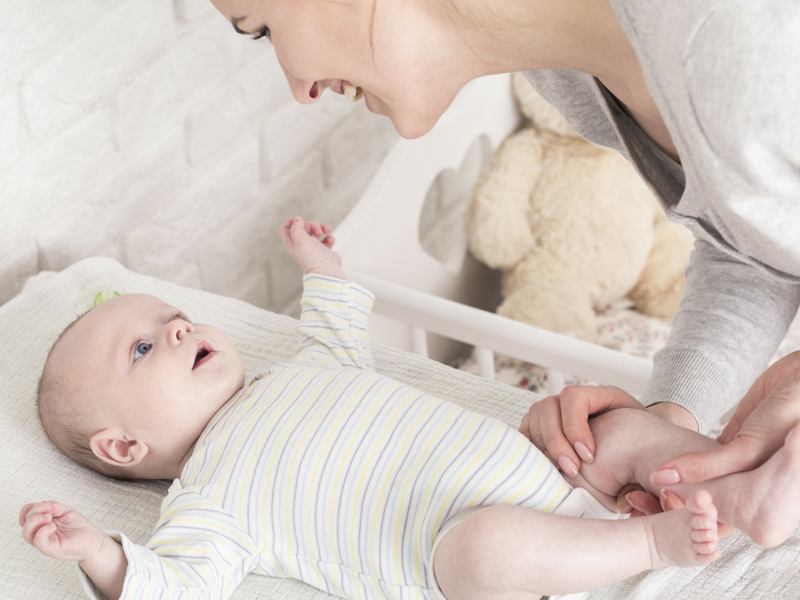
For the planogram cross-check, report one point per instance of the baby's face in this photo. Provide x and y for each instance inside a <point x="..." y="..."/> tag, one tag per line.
<point x="152" y="372"/>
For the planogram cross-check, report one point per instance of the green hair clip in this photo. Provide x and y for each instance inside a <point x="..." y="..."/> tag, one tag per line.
<point x="108" y="285"/>
<point x="103" y="296"/>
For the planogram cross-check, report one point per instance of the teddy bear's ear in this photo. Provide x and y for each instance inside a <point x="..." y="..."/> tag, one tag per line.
<point x="538" y="110"/>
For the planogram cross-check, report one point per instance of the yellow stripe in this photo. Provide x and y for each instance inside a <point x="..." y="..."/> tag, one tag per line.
<point x="383" y="495"/>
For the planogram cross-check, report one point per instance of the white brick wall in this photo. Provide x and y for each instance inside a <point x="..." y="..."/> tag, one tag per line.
<point x="148" y="131"/>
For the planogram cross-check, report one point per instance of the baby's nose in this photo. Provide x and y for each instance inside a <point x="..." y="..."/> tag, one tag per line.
<point x="178" y="330"/>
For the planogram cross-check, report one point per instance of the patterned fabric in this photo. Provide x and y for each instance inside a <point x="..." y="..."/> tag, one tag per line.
<point x="323" y="470"/>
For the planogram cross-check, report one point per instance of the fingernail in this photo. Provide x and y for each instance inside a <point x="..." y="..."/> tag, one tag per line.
<point x="626" y="506"/>
<point x="665" y="477"/>
<point x="566" y="465"/>
<point x="583" y="452"/>
<point x="663" y="500"/>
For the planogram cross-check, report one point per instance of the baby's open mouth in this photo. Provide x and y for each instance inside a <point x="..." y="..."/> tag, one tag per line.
<point x="202" y="356"/>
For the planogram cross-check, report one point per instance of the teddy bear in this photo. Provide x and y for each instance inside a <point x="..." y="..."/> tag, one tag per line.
<point x="572" y="227"/>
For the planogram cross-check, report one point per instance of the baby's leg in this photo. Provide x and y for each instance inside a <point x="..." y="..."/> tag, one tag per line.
<point x="514" y="553"/>
<point x="763" y="502"/>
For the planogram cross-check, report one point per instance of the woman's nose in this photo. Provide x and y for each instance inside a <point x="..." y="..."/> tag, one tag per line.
<point x="305" y="92"/>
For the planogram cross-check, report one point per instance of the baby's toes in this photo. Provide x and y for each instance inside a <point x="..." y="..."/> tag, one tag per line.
<point x="706" y="535"/>
<point x="707" y="549"/>
<point x="700" y="504"/>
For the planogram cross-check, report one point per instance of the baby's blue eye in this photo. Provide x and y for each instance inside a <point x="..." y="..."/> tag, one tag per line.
<point x="142" y="348"/>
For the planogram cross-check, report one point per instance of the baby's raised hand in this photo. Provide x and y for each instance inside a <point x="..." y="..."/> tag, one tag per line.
<point x="58" y="531"/>
<point x="313" y="255"/>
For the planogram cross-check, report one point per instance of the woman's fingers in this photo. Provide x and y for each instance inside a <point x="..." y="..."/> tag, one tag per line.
<point x="553" y="438"/>
<point x="559" y="425"/>
<point x="769" y="410"/>
<point x="634" y="500"/>
<point x="742" y="454"/>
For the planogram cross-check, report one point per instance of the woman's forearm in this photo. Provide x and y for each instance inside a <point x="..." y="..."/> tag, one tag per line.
<point x="731" y="319"/>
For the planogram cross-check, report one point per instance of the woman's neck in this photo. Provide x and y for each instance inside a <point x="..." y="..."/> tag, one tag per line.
<point x="520" y="35"/>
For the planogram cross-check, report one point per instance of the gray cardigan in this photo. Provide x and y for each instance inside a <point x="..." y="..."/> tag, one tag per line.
<point x="726" y="78"/>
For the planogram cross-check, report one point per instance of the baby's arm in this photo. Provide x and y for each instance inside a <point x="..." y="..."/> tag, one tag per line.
<point x="334" y="324"/>
<point x="60" y="532"/>
<point x="198" y="550"/>
<point x="312" y="255"/>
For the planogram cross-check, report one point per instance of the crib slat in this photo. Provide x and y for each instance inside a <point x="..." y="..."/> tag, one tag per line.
<point x="419" y="341"/>
<point x="485" y="358"/>
<point x="513" y="338"/>
<point x="555" y="382"/>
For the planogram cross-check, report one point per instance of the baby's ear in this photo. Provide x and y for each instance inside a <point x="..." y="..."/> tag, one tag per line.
<point x="112" y="446"/>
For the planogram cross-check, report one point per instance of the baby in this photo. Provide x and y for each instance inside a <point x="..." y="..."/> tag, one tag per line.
<point x="325" y="471"/>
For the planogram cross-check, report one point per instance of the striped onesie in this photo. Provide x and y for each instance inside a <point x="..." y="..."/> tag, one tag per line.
<point x="325" y="471"/>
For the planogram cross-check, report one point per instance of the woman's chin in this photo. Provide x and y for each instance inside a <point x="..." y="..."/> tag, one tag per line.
<point x="411" y="130"/>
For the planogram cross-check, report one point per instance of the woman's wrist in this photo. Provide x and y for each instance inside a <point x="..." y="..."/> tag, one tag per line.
<point x="674" y="413"/>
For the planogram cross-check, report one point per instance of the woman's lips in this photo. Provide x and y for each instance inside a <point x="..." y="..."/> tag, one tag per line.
<point x="369" y="108"/>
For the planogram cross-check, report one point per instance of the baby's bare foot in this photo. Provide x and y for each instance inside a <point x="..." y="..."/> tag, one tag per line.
<point x="769" y="510"/>
<point x="686" y="537"/>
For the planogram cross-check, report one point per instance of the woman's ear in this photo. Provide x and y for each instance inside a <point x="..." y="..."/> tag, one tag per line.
<point x="112" y="446"/>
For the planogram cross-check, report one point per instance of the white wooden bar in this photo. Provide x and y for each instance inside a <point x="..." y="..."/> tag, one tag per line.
<point x="419" y="341"/>
<point x="513" y="338"/>
<point x="485" y="360"/>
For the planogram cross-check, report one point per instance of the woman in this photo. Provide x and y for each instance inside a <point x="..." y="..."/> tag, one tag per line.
<point x="695" y="94"/>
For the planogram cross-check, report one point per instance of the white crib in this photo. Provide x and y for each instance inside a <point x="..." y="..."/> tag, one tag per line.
<point x="417" y="295"/>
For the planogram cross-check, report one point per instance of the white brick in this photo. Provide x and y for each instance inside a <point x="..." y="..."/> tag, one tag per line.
<point x="132" y="190"/>
<point x="360" y="139"/>
<point x="252" y="288"/>
<point x="31" y="29"/>
<point x="236" y="110"/>
<point x="285" y="283"/>
<point x="232" y="252"/>
<point x="192" y="10"/>
<point x="253" y="233"/>
<point x="100" y="59"/>
<point x="206" y="57"/>
<point x="297" y="128"/>
<point x="186" y="274"/>
<point x="13" y="137"/>
<point x="178" y="229"/>
<point x="299" y="188"/>
<point x="18" y="261"/>
<point x="43" y="184"/>
<point x="334" y="205"/>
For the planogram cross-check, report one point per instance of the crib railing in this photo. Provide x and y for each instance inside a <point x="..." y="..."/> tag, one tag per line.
<point x="491" y="333"/>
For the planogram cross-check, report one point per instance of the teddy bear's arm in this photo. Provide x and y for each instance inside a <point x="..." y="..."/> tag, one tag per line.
<point x="498" y="225"/>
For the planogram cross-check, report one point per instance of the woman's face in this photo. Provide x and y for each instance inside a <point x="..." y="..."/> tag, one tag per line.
<point x="388" y="48"/>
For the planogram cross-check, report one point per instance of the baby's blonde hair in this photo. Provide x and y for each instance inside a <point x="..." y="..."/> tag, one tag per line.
<point x="57" y="400"/>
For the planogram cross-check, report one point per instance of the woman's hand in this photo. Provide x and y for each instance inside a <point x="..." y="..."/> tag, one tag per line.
<point x="60" y="532"/>
<point x="559" y="427"/>
<point x="758" y="428"/>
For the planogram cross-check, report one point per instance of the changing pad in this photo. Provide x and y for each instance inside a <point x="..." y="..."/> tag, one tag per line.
<point x="33" y="470"/>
